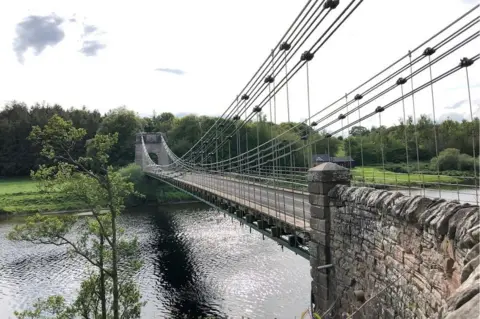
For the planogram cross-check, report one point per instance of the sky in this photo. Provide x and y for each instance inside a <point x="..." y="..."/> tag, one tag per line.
<point x="195" y="56"/>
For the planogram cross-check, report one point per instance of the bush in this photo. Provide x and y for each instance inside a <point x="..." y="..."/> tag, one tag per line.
<point x="413" y="167"/>
<point x="451" y="159"/>
<point x="153" y="189"/>
<point x="466" y="162"/>
<point x="136" y="176"/>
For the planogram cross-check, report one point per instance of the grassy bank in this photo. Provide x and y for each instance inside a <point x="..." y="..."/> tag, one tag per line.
<point x="377" y="175"/>
<point x="23" y="196"/>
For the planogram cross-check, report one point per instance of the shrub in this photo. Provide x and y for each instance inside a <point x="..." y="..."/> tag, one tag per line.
<point x="451" y="159"/>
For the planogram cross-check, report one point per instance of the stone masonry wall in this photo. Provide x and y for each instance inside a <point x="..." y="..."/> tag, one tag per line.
<point x="410" y="253"/>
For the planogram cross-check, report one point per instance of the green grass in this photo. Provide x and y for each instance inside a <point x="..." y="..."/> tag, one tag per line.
<point x="378" y="176"/>
<point x="23" y="196"/>
<point x="17" y="186"/>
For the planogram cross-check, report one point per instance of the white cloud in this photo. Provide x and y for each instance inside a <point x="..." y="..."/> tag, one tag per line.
<point x="171" y="71"/>
<point x="37" y="32"/>
<point x="220" y="44"/>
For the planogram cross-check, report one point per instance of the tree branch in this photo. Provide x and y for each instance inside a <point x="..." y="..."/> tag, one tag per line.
<point x="72" y="161"/>
<point x="78" y="251"/>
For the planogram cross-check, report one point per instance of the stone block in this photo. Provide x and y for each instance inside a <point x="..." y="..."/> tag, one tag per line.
<point x="320" y="238"/>
<point x="322" y="212"/>
<point x="319" y="200"/>
<point x="318" y="277"/>
<point x="472" y="253"/>
<point x="319" y="224"/>
<point x="323" y="292"/>
<point x="321" y="305"/>
<point x="398" y="253"/>
<point x="314" y="262"/>
<point x="313" y="249"/>
<point x="328" y="172"/>
<point x="469" y="268"/>
<point x="322" y="188"/>
<point x="359" y="295"/>
<point x="318" y="252"/>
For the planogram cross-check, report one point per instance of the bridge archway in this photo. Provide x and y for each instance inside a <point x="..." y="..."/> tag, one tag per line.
<point x="153" y="144"/>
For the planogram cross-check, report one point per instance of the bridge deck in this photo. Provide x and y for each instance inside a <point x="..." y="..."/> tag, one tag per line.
<point x="290" y="207"/>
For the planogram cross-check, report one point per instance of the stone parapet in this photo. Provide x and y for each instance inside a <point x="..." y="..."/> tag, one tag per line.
<point x="417" y="257"/>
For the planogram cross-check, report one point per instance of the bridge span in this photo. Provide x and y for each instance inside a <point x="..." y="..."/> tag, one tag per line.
<point x="374" y="253"/>
<point x="281" y="214"/>
<point x="360" y="242"/>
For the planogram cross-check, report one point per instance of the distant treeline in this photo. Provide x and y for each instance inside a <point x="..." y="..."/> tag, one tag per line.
<point x="18" y="156"/>
<point x="449" y="139"/>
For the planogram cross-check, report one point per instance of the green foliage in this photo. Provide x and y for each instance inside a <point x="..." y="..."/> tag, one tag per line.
<point x="109" y="291"/>
<point x="184" y="133"/>
<point x="462" y="136"/>
<point x="167" y="194"/>
<point x="451" y="159"/>
<point x="18" y="155"/>
<point x="376" y="175"/>
<point x="52" y="307"/>
<point x="126" y="124"/>
<point x="154" y="190"/>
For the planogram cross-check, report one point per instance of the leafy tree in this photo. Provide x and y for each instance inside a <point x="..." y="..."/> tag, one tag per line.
<point x="108" y="292"/>
<point x="18" y="156"/>
<point x="126" y="124"/>
<point x="358" y="131"/>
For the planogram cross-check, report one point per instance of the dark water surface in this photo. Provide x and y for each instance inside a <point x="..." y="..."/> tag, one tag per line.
<point x="196" y="263"/>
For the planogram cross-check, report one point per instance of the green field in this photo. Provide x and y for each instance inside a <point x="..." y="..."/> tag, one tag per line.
<point x="23" y="196"/>
<point x="379" y="176"/>
<point x="17" y="185"/>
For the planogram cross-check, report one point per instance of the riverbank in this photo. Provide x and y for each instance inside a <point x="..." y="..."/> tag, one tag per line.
<point x="23" y="196"/>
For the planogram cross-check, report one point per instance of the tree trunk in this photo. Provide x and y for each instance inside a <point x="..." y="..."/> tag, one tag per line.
<point x="103" y="297"/>
<point x="115" y="305"/>
<point x="114" y="267"/>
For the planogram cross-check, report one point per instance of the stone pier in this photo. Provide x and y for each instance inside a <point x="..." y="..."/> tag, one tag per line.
<point x="321" y="179"/>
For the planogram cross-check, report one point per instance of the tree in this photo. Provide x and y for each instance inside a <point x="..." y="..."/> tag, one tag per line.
<point x="358" y="131"/>
<point x="18" y="156"/>
<point x="108" y="292"/>
<point x="125" y="123"/>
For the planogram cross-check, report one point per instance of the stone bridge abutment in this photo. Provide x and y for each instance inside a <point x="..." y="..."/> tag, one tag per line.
<point x="383" y="254"/>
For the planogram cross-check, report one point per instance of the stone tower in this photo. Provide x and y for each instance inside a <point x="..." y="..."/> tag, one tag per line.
<point x="153" y="143"/>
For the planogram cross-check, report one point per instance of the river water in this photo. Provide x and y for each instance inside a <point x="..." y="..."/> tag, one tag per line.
<point x="196" y="263"/>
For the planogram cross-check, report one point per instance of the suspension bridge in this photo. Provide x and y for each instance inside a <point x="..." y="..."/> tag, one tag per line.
<point x="277" y="186"/>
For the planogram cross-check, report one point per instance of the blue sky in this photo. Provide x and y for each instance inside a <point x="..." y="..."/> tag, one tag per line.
<point x="195" y="56"/>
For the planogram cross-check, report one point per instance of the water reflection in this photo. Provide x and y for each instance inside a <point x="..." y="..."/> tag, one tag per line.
<point x="177" y="271"/>
<point x="196" y="263"/>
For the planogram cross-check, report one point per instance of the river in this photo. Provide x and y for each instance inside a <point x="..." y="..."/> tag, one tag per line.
<point x="196" y="263"/>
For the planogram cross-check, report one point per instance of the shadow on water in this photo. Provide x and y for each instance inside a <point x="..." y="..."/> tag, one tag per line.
<point x="180" y="278"/>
